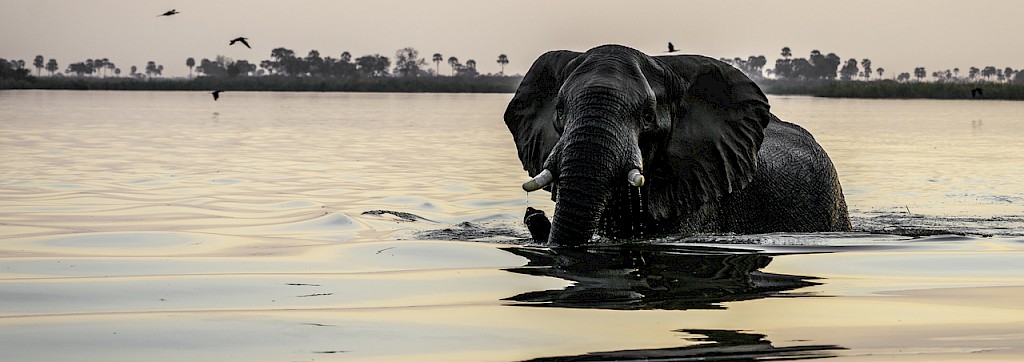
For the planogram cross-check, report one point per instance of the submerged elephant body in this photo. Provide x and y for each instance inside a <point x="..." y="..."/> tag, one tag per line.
<point x="711" y="155"/>
<point x="795" y="188"/>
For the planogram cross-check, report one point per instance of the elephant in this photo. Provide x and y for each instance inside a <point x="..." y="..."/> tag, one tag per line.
<point x="632" y="145"/>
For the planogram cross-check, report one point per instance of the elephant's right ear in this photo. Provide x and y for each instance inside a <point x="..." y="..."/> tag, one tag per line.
<point x="531" y="112"/>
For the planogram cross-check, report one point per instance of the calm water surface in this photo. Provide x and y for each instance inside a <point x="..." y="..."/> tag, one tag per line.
<point x="304" y="226"/>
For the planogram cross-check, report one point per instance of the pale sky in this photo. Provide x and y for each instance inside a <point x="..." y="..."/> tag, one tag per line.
<point x="897" y="35"/>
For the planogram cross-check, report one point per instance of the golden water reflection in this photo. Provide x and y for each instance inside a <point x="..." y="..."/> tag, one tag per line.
<point x="167" y="226"/>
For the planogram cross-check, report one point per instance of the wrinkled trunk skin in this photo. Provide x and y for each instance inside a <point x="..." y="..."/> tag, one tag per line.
<point x="578" y="210"/>
<point x="591" y="160"/>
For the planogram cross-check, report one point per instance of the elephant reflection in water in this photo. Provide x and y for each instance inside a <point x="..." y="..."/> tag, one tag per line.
<point x="651" y="276"/>
<point x="716" y="345"/>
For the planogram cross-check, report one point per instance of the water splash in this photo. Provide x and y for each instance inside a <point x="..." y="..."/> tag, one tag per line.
<point x="636" y="198"/>
<point x="632" y="212"/>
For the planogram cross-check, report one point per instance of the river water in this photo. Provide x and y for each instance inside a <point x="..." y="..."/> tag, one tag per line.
<point x="358" y="226"/>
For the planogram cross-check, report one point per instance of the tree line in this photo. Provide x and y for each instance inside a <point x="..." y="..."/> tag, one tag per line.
<point x="99" y="66"/>
<point x="282" y="62"/>
<point x="407" y="62"/>
<point x="818" y="74"/>
<point x="828" y="67"/>
<point x="285" y="62"/>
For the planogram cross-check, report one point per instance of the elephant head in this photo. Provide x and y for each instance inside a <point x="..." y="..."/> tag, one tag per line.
<point x="591" y="127"/>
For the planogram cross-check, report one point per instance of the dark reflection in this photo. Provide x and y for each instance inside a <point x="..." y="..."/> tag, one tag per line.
<point x="651" y="276"/>
<point x="716" y="345"/>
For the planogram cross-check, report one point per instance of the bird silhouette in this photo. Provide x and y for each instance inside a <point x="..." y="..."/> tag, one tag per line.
<point x="240" y="39"/>
<point x="538" y="224"/>
<point x="977" y="92"/>
<point x="216" y="94"/>
<point x="671" y="48"/>
<point x="169" y="13"/>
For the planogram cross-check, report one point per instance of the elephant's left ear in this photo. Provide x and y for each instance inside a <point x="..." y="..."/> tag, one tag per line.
<point x="718" y="126"/>
<point x="531" y="112"/>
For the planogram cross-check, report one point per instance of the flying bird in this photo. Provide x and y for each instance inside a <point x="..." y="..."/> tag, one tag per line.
<point x="169" y="13"/>
<point x="216" y="94"/>
<point x="671" y="48"/>
<point x="976" y="92"/>
<point x="240" y="39"/>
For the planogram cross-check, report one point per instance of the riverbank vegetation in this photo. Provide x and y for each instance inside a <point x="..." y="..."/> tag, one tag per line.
<point x="827" y="75"/>
<point x="278" y="83"/>
<point x="819" y="74"/>
<point x="284" y="71"/>
<point x="890" y="89"/>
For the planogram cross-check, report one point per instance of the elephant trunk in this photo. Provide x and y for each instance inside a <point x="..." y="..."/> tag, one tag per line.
<point x="595" y="159"/>
<point x="581" y="201"/>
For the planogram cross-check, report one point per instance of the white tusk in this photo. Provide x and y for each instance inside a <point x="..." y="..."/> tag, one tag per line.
<point x="537" y="182"/>
<point x="635" y="178"/>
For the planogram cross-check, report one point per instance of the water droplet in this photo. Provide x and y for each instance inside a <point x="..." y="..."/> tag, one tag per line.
<point x="637" y="222"/>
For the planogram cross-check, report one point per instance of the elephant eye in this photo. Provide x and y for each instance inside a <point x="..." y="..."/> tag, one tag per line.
<point x="649" y="119"/>
<point x="559" y="121"/>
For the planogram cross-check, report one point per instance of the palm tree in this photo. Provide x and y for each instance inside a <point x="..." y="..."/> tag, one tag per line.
<point x="134" y="71"/>
<point x="471" y="64"/>
<point x="150" y="68"/>
<point x="190" y="62"/>
<point x="786" y="53"/>
<point x="880" y="72"/>
<point x="38" y="63"/>
<point x="51" y="66"/>
<point x="117" y="72"/>
<point x="453" y="62"/>
<point x="437" y="60"/>
<point x="97" y="66"/>
<point x="988" y="72"/>
<point x="920" y="73"/>
<point x="502" y="59"/>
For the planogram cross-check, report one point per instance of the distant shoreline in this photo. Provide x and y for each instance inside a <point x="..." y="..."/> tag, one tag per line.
<point x="877" y="89"/>
<point x="890" y="89"/>
<point x="480" y="84"/>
